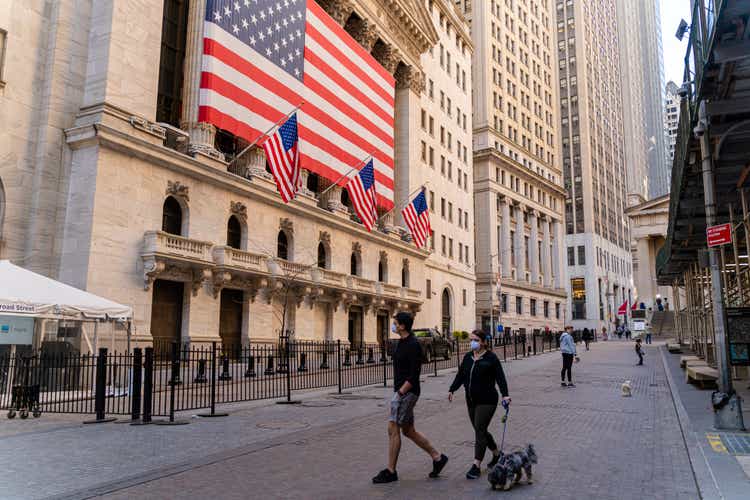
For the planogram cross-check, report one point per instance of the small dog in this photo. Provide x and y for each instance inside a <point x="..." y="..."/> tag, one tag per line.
<point x="627" y="389"/>
<point x="509" y="468"/>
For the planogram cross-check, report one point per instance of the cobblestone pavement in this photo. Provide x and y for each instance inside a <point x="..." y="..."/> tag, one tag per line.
<point x="592" y="443"/>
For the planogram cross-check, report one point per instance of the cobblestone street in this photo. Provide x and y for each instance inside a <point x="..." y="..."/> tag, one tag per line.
<point x="591" y="441"/>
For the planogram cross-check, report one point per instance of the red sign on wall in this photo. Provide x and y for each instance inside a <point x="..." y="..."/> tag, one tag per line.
<point x="719" y="235"/>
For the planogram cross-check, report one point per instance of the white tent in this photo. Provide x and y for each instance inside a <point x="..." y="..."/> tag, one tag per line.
<point x="25" y="293"/>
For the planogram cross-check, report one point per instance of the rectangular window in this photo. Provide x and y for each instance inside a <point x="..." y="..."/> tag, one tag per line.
<point x="428" y="289"/>
<point x="432" y="201"/>
<point x="444" y="244"/>
<point x="424" y="151"/>
<point x="464" y="295"/>
<point x="532" y="307"/>
<point x="546" y="309"/>
<point x="504" y="303"/>
<point x="581" y="255"/>
<point x="571" y="256"/>
<point x="442" y="208"/>
<point x="450" y="212"/>
<point x="578" y="296"/>
<point x="423" y="120"/>
<point x="519" y="305"/>
<point x="450" y="247"/>
<point x="432" y="157"/>
<point x="557" y="310"/>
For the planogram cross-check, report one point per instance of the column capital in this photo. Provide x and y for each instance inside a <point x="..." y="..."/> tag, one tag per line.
<point x="410" y="77"/>
<point x="364" y="32"/>
<point x="387" y="55"/>
<point x="339" y="10"/>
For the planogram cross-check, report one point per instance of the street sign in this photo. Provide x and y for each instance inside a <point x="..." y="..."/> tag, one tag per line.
<point x="719" y="235"/>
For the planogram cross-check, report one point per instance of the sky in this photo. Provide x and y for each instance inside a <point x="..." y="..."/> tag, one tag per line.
<point x="674" y="50"/>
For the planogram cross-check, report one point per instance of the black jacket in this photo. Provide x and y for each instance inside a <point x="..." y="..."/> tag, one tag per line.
<point x="407" y="363"/>
<point x="479" y="379"/>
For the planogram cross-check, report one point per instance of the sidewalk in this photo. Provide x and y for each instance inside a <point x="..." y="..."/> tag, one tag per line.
<point x="592" y="443"/>
<point x="720" y="472"/>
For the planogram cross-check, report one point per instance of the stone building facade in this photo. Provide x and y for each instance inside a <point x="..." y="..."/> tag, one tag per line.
<point x="518" y="189"/>
<point x="594" y="168"/>
<point x="445" y="167"/>
<point x="108" y="181"/>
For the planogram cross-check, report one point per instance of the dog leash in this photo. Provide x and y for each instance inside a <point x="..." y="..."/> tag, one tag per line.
<point x="506" y="405"/>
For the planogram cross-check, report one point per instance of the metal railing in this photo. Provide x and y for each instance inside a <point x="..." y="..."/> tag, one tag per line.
<point x="174" y="378"/>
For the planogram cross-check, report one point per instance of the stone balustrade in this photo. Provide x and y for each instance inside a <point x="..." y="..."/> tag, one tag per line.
<point x="232" y="257"/>
<point x="159" y="242"/>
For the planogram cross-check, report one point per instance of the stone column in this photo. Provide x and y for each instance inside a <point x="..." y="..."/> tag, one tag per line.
<point x="520" y="246"/>
<point x="644" y="281"/>
<point x="546" y="264"/>
<point x="534" y="247"/>
<point x="505" y="242"/>
<point x="201" y="134"/>
<point x="558" y="253"/>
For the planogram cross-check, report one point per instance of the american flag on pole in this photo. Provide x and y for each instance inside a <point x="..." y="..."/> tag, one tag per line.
<point x="282" y="155"/>
<point x="262" y="58"/>
<point x="362" y="192"/>
<point x="417" y="218"/>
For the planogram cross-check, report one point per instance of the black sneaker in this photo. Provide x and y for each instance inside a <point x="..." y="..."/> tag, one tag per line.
<point x="385" y="476"/>
<point x="493" y="462"/>
<point x="571" y="384"/>
<point x="474" y="472"/>
<point x="563" y="384"/>
<point x="437" y="466"/>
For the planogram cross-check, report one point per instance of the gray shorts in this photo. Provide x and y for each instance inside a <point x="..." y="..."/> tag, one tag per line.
<point x="402" y="409"/>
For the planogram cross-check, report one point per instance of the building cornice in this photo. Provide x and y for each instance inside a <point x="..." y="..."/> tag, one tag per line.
<point x="457" y="19"/>
<point x="491" y="154"/>
<point x="115" y="129"/>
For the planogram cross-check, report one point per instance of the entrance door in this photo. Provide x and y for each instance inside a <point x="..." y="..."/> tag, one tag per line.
<point x="166" y="314"/>
<point x="230" y="319"/>
<point x="382" y="327"/>
<point x="446" y="313"/>
<point x="355" y="325"/>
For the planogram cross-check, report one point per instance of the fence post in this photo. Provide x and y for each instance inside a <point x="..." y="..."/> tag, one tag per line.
<point x="135" y="400"/>
<point x="515" y="345"/>
<point x="148" y="391"/>
<point x="100" y="394"/>
<point x="288" y="361"/>
<point x="212" y="390"/>
<point x="458" y="354"/>
<point x="434" y="360"/>
<point x="174" y="381"/>
<point x="338" y="362"/>
<point x="385" y="362"/>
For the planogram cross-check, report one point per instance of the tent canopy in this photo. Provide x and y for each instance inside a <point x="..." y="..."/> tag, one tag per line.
<point x="23" y="292"/>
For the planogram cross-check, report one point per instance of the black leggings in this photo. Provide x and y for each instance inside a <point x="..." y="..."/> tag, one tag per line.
<point x="480" y="416"/>
<point x="567" y="367"/>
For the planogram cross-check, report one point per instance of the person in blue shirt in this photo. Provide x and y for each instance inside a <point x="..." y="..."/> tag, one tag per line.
<point x="568" y="350"/>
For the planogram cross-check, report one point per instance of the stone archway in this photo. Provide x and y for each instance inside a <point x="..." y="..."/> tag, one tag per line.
<point x="446" y="312"/>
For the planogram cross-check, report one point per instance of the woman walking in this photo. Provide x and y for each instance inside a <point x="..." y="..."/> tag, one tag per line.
<point x="479" y="372"/>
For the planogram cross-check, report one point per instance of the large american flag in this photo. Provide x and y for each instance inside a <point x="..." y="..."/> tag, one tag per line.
<point x="262" y="58"/>
<point x="417" y="218"/>
<point x="282" y="153"/>
<point x="363" y="194"/>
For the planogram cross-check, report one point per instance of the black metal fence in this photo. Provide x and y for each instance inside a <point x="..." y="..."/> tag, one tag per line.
<point x="146" y="383"/>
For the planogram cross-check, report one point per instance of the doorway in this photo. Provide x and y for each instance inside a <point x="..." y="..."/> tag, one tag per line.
<point x="355" y="325"/>
<point x="382" y="327"/>
<point x="446" y="313"/>
<point x="230" y="319"/>
<point x="166" y="314"/>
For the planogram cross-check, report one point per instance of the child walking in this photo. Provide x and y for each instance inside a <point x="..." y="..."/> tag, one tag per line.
<point x="639" y="351"/>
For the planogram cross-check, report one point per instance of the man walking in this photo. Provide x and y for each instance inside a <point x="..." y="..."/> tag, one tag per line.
<point x="407" y="365"/>
<point x="568" y="350"/>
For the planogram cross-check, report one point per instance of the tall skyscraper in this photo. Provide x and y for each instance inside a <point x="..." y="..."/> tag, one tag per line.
<point x="597" y="235"/>
<point x="518" y="192"/>
<point x="632" y="85"/>
<point x="671" y="118"/>
<point x="648" y="24"/>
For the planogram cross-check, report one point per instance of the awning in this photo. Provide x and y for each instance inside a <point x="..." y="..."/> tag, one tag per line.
<point x="26" y="293"/>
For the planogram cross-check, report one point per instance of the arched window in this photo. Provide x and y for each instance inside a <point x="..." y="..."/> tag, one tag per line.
<point x="171" y="220"/>
<point x="381" y="271"/>
<point x="322" y="256"/>
<point x="354" y="264"/>
<point x="405" y="274"/>
<point x="234" y="233"/>
<point x="282" y="246"/>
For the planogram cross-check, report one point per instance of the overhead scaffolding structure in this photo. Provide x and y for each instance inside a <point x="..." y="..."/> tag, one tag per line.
<point x="710" y="184"/>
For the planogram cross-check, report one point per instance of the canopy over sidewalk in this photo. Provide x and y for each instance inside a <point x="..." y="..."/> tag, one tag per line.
<point x="25" y="293"/>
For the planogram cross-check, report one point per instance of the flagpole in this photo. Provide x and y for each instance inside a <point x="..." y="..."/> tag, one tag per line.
<point x="261" y="136"/>
<point x="408" y="200"/>
<point x="356" y="167"/>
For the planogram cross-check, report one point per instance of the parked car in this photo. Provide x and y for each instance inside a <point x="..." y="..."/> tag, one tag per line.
<point x="431" y="340"/>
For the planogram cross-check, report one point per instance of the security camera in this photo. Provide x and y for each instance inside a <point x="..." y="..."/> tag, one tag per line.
<point x="681" y="29"/>
<point x="700" y="128"/>
<point x="682" y="91"/>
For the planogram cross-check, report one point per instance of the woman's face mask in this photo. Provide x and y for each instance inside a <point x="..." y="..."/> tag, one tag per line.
<point x="475" y="345"/>
<point x="393" y="328"/>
